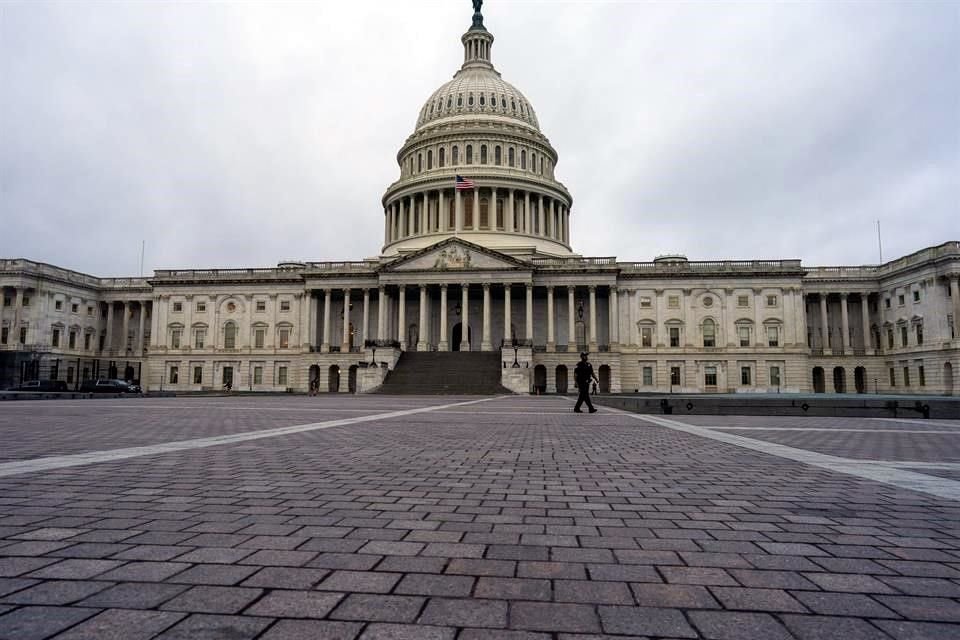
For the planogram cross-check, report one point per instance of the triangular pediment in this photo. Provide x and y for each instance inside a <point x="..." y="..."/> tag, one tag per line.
<point x="454" y="254"/>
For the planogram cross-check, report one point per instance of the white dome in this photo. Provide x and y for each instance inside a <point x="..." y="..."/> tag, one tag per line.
<point x="478" y="91"/>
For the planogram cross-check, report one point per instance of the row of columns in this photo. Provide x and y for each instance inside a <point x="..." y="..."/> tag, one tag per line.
<point x="844" y="347"/>
<point x="421" y="214"/>
<point x="486" y="312"/>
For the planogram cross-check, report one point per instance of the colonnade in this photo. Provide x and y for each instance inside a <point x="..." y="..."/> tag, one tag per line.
<point x="452" y="211"/>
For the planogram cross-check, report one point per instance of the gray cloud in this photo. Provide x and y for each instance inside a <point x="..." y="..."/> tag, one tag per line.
<point x="240" y="135"/>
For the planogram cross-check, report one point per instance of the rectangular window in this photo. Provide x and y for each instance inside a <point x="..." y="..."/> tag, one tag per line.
<point x="258" y="375"/>
<point x="258" y="336"/>
<point x="890" y="338"/>
<point x="89" y="311"/>
<point x="920" y="333"/>
<point x="743" y="301"/>
<point x="4" y="335"/>
<point x="648" y="376"/>
<point x="709" y="334"/>
<point x="675" y="376"/>
<point x="74" y="308"/>
<point x="709" y="376"/>
<point x="673" y="302"/>
<point x="70" y="374"/>
<point x="174" y="375"/>
<point x="86" y="341"/>
<point x="771" y="301"/>
<point x="775" y="376"/>
<point x="58" y="305"/>
<point x="916" y="296"/>
<point x="745" y="376"/>
<point x="56" y="337"/>
<point x="903" y="336"/>
<point x="893" y="377"/>
<point x="261" y="306"/>
<point x="284" y="338"/>
<point x="900" y="300"/>
<point x="199" y="337"/>
<point x="282" y="376"/>
<point x="284" y="305"/>
<point x="198" y="375"/>
<point x="921" y="376"/>
<point x="26" y="301"/>
<point x="175" y="336"/>
<point x="886" y="303"/>
<point x="73" y="340"/>
<point x="645" y="302"/>
<point x="646" y="336"/>
<point x="7" y="301"/>
<point x="177" y="307"/>
<point x="773" y="336"/>
<point x="744" y="333"/>
<point x="674" y="336"/>
<point x="201" y="307"/>
<point x="906" y="376"/>
<point x="23" y="335"/>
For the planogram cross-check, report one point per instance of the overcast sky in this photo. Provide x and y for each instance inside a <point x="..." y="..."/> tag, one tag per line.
<point x="244" y="134"/>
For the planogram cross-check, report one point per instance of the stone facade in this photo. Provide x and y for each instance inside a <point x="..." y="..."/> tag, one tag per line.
<point x="490" y="267"/>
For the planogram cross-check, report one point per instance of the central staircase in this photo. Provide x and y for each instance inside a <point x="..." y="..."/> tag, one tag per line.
<point x="445" y="373"/>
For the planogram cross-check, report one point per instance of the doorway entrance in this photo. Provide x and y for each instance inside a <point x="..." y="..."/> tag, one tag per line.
<point x="819" y="384"/>
<point x="458" y="337"/>
<point x="333" y="381"/>
<point x="228" y="377"/>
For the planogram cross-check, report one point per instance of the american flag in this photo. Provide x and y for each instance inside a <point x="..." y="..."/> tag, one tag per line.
<point x="464" y="184"/>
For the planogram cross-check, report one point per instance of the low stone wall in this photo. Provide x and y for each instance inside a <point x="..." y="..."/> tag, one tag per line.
<point x="76" y="395"/>
<point x="517" y="380"/>
<point x="819" y="405"/>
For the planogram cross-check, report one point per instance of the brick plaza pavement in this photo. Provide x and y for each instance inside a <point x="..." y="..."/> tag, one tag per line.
<point x="458" y="518"/>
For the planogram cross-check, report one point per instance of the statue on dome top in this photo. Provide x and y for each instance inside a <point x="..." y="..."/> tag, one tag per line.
<point x="477" y="16"/>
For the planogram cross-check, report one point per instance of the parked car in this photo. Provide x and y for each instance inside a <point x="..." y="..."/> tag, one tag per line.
<point x="42" y="385"/>
<point x="108" y="386"/>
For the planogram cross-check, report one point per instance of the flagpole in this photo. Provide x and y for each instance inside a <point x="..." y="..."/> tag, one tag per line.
<point x="879" y="242"/>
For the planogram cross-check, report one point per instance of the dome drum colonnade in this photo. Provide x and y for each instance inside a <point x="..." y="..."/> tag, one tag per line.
<point x="479" y="126"/>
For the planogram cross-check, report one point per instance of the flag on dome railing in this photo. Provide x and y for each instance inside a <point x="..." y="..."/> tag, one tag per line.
<point x="464" y="184"/>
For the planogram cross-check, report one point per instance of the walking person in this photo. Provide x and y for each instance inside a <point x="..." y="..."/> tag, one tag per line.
<point x="582" y="375"/>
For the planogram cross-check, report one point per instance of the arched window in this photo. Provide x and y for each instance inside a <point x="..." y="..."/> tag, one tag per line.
<point x="533" y="162"/>
<point x="484" y="213"/>
<point x="483" y="154"/>
<point x="459" y="100"/>
<point x="442" y="157"/>
<point x="497" y="156"/>
<point x="483" y="100"/>
<point x="449" y="102"/>
<point x="503" y="103"/>
<point x="510" y="157"/>
<point x="709" y="333"/>
<point x="455" y="158"/>
<point x="523" y="159"/>
<point x="230" y="336"/>
<point x="541" y="165"/>
<point x="513" y="105"/>
<point x="470" y="100"/>
<point x="469" y="154"/>
<point x="419" y="162"/>
<point x="429" y="159"/>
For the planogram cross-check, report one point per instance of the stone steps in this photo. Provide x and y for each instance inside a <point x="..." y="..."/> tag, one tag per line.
<point x="445" y="373"/>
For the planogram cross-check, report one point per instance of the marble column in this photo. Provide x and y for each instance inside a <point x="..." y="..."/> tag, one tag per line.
<point x="444" y="345"/>
<point x="507" y="320"/>
<point x="441" y="211"/>
<point x="125" y="325"/>
<point x="458" y="211"/>
<point x="530" y="313"/>
<point x="365" y="327"/>
<point x="476" y="209"/>
<point x="865" y="319"/>
<point x="824" y="326"/>
<point x="593" y="317"/>
<point x="553" y="219"/>
<point x="541" y="218"/>
<point x="527" y="221"/>
<point x="955" y="297"/>
<point x="613" y="310"/>
<point x="402" y="317"/>
<point x="345" y="342"/>
<point x="485" y="344"/>
<point x="571" y="320"/>
<point x="551" y="337"/>
<point x="412" y="216"/>
<point x="758" y="336"/>
<point x="510" y="219"/>
<point x="844" y="324"/>
<point x="108" y="343"/>
<point x="141" y="328"/>
<point x="422" y="337"/>
<point x="381" y="313"/>
<point x="465" y="316"/>
<point x="325" y="341"/>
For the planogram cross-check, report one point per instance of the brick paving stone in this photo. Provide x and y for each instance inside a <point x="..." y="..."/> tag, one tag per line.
<point x="848" y="583"/>
<point x="903" y="630"/>
<point x="294" y="604"/>
<point x="214" y="574"/>
<point x="482" y="567"/>
<point x="135" y="595"/>
<point x="360" y="581"/>
<point x="76" y="569"/>
<point x="830" y="628"/>
<point x="12" y="567"/>
<point x="420" y="584"/>
<point x="389" y="548"/>
<point x="12" y="585"/>
<point x="922" y="608"/>
<point x="214" y="555"/>
<point x="922" y="586"/>
<point x="381" y="631"/>
<point x="122" y="624"/>
<point x="592" y="591"/>
<point x="38" y="623"/>
<point x="513" y="589"/>
<point x="750" y="599"/>
<point x="144" y="571"/>
<point x="551" y="570"/>
<point x="733" y="625"/>
<point x="843" y="604"/>
<point x="774" y="579"/>
<point x="285" y="578"/>
<point x="465" y="613"/>
<point x="542" y="616"/>
<point x="277" y="558"/>
<point x="695" y="575"/>
<point x="56" y="592"/>
<point x="204" y="599"/>
<point x="674" y="596"/>
<point x="213" y="627"/>
<point x="501" y="634"/>
<point x="378" y="608"/>
<point x="312" y="630"/>
<point x="406" y="564"/>
<point x="348" y="561"/>
<point x="645" y="621"/>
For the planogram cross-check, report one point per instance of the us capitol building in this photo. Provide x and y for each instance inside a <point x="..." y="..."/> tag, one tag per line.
<point x="489" y="266"/>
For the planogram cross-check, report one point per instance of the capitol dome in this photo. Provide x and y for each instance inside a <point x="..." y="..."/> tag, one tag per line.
<point x="477" y="166"/>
